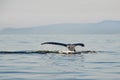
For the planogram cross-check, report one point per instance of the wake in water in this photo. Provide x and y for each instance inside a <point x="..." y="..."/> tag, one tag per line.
<point x="57" y="52"/>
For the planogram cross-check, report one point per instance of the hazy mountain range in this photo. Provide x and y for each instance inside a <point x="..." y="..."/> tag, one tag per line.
<point x="104" y="27"/>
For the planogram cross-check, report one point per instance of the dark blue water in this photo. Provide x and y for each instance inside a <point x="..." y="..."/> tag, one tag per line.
<point x="103" y="65"/>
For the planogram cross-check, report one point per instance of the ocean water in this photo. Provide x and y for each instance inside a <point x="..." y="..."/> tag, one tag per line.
<point x="103" y="65"/>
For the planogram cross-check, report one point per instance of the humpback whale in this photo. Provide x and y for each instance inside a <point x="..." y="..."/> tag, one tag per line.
<point x="71" y="47"/>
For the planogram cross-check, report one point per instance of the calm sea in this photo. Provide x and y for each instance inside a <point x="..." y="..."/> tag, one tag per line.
<point x="103" y="65"/>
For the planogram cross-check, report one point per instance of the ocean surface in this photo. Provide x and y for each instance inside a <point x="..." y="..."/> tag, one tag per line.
<point x="103" y="65"/>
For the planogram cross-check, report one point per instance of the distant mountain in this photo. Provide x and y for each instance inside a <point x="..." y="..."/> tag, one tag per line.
<point x="105" y="27"/>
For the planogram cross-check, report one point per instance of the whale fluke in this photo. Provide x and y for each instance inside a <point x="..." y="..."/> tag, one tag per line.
<point x="70" y="47"/>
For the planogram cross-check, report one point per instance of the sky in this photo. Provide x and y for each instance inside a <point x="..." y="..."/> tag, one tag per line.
<point x="28" y="13"/>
